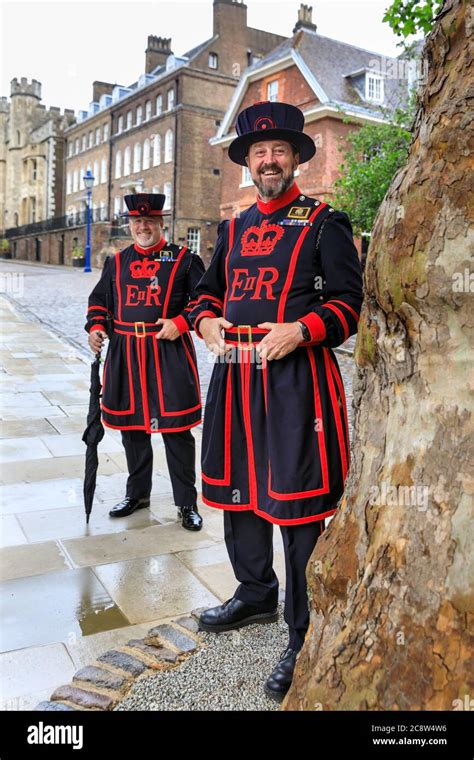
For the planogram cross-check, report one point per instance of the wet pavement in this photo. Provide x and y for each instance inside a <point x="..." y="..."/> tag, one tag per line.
<point x="69" y="591"/>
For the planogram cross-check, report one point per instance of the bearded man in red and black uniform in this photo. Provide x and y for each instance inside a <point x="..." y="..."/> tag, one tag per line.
<point x="283" y="289"/>
<point x="150" y="382"/>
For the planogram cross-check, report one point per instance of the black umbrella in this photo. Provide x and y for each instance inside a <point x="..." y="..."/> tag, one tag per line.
<point x="93" y="435"/>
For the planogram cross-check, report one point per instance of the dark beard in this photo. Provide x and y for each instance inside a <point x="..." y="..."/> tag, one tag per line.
<point x="274" y="192"/>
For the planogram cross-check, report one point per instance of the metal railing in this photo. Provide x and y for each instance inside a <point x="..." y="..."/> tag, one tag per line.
<point x="78" y="219"/>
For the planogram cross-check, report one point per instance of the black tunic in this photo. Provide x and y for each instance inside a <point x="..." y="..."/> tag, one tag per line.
<point x="275" y="436"/>
<point x="148" y="384"/>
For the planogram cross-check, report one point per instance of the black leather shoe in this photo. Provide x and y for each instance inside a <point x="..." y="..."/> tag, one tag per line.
<point x="280" y="680"/>
<point x="234" y="614"/>
<point x="128" y="506"/>
<point x="190" y="518"/>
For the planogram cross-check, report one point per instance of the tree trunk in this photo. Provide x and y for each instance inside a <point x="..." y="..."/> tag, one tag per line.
<point x="391" y="580"/>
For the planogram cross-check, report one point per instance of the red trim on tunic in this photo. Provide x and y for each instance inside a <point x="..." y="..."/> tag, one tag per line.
<point x="159" y="383"/>
<point x="198" y="319"/>
<point x="94" y="328"/>
<point x="225" y="480"/>
<point x="288" y="197"/>
<point x="118" y="286"/>
<point x="315" y="325"/>
<point x="101" y="308"/>
<point x="209" y="297"/>
<point x="180" y="323"/>
<point x="343" y="303"/>
<point x="152" y="248"/>
<point x="341" y="317"/>
<point x="171" y="280"/>
<point x="245" y="379"/>
<point x="229" y="248"/>
<point x="193" y="361"/>
<point x="293" y="262"/>
<point x="325" y="488"/>
<point x="336" y="414"/>
<point x="266" y="516"/>
<point x="342" y="395"/>
<point x="149" y="430"/>
<point x="131" y="389"/>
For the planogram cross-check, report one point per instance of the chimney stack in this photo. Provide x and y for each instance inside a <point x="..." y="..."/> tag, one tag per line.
<point x="158" y="50"/>
<point x="305" y="19"/>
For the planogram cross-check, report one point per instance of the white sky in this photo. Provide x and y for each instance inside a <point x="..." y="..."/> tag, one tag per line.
<point x="66" y="45"/>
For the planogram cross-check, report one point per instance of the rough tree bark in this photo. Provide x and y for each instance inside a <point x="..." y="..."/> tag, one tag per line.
<point x="391" y="580"/>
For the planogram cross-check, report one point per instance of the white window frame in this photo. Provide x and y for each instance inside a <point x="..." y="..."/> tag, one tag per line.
<point x="213" y="61"/>
<point x="148" y="110"/>
<point x="97" y="135"/>
<point x="139" y="115"/>
<point x="167" y="194"/>
<point x="157" y="150"/>
<point x="118" y="164"/>
<point x="193" y="239"/>
<point x="246" y="177"/>
<point x="129" y="120"/>
<point x="96" y="173"/>
<point x="127" y="161"/>
<point x="106" y="132"/>
<point x="272" y="90"/>
<point x="103" y="171"/>
<point x="159" y="105"/>
<point x="374" y="82"/>
<point x="137" y="158"/>
<point x="120" y="124"/>
<point x="146" y="154"/>
<point x="168" y="157"/>
<point x="170" y="99"/>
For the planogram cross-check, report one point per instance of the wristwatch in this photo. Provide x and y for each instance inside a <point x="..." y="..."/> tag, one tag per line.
<point x="304" y="331"/>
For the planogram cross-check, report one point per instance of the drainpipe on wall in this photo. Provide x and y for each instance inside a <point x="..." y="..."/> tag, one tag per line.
<point x="175" y="162"/>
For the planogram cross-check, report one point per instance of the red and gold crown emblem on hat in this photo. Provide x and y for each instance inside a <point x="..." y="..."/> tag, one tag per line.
<point x="140" y="269"/>
<point x="260" y="241"/>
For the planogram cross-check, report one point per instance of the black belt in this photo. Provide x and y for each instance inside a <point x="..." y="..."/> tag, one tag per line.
<point x="244" y="336"/>
<point x="139" y="329"/>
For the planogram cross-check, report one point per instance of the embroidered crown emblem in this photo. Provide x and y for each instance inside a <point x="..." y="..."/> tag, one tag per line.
<point x="139" y="269"/>
<point x="260" y="241"/>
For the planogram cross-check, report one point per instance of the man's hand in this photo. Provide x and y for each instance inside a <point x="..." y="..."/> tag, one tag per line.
<point x="283" y="338"/>
<point x="96" y="340"/>
<point x="210" y="329"/>
<point x="168" y="331"/>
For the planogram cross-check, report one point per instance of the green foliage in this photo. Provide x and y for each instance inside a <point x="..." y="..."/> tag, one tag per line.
<point x="374" y="155"/>
<point x="77" y="252"/>
<point x="408" y="17"/>
<point x="4" y="244"/>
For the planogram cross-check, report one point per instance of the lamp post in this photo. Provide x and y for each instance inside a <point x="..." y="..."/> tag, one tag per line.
<point x="88" y="183"/>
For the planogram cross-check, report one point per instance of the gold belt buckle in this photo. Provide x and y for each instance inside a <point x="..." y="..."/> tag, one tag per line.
<point x="245" y="346"/>
<point x="139" y="334"/>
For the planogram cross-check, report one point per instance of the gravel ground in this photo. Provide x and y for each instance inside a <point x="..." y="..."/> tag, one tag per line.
<point x="228" y="673"/>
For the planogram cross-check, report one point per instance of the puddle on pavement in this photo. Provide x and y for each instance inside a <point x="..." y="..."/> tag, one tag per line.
<point x="59" y="606"/>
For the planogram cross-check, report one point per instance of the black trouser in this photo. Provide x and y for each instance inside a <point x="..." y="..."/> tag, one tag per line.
<point x="180" y="451"/>
<point x="249" y="541"/>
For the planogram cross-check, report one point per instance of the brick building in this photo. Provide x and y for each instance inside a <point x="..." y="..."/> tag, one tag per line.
<point x="153" y="135"/>
<point x="331" y="82"/>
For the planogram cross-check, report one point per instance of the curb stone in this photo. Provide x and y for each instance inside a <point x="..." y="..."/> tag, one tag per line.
<point x="101" y="685"/>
